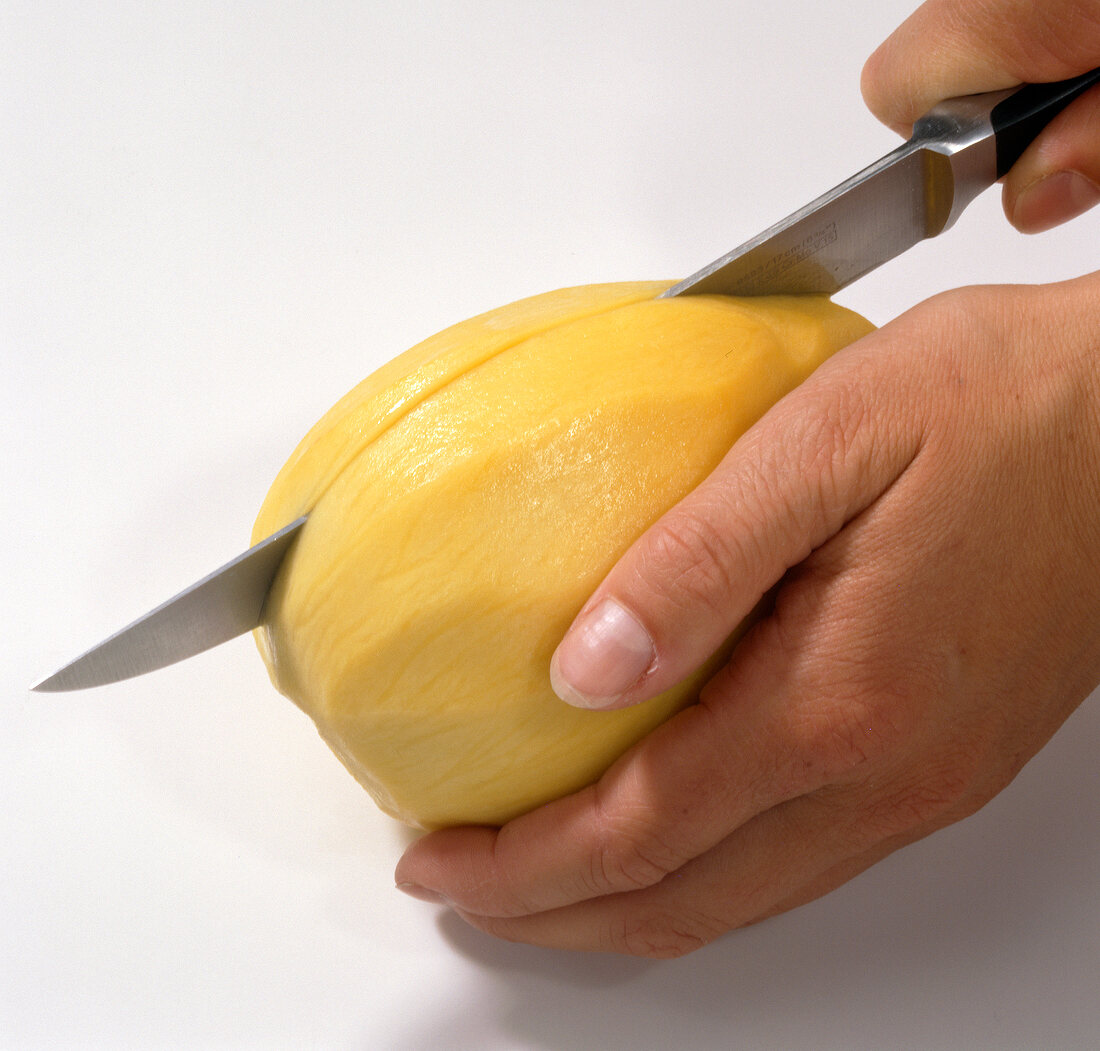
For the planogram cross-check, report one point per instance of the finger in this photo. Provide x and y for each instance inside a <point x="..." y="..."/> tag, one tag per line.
<point x="812" y="463"/>
<point x="1058" y="176"/>
<point x="948" y="48"/>
<point x="781" y="859"/>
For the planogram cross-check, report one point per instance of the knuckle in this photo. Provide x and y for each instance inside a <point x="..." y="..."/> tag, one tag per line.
<point x="633" y="850"/>
<point x="829" y="432"/>
<point x="934" y="796"/>
<point x="800" y="489"/>
<point x="842" y="735"/>
<point x="838" y="441"/>
<point x="631" y="854"/>
<point x="845" y="730"/>
<point x="659" y="934"/>
<point x="691" y="556"/>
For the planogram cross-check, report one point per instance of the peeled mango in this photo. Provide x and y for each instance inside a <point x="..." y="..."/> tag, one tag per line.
<point x="464" y="501"/>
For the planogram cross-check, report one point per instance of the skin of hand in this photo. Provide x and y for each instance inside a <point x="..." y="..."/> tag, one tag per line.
<point x="923" y="517"/>
<point x="958" y="47"/>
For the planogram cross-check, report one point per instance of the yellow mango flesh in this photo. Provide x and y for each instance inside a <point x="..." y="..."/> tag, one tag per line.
<point x="464" y="501"/>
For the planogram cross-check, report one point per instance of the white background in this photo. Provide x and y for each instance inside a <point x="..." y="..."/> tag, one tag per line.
<point x="217" y="217"/>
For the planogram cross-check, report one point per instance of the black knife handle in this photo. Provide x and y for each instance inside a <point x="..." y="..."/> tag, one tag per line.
<point x="1018" y="120"/>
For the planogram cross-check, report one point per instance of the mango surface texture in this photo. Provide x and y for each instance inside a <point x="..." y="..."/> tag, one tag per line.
<point x="465" y="500"/>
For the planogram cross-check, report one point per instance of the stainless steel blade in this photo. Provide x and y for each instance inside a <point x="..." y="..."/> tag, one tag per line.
<point x="914" y="192"/>
<point x="221" y="606"/>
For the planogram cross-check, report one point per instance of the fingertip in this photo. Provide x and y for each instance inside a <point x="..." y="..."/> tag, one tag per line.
<point x="886" y="86"/>
<point x="419" y="893"/>
<point x="434" y="861"/>
<point x="870" y="88"/>
<point x="871" y="82"/>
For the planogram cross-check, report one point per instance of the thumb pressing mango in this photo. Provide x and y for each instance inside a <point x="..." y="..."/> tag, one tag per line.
<point x="464" y="501"/>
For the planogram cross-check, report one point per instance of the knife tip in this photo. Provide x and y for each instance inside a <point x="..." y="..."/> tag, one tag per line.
<point x="65" y="679"/>
<point x="46" y="684"/>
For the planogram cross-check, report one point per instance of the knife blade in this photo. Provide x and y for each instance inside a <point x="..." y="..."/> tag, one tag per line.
<point x="221" y="606"/>
<point x="957" y="150"/>
<point x="917" y="191"/>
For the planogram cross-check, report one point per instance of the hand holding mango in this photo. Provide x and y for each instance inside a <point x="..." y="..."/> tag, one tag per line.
<point x="926" y="506"/>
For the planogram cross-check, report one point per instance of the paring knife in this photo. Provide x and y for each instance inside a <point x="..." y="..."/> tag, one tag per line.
<point x="957" y="150"/>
